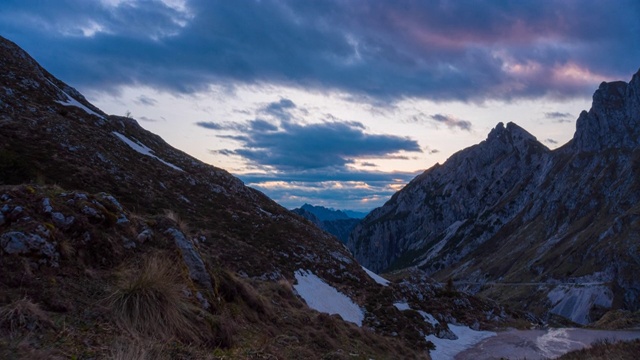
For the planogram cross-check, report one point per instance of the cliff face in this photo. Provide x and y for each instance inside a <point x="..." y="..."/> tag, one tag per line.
<point x="510" y="210"/>
<point x="452" y="199"/>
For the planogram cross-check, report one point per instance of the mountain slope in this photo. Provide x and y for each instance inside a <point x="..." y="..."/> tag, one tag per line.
<point x="335" y="222"/>
<point x="113" y="244"/>
<point x="508" y="210"/>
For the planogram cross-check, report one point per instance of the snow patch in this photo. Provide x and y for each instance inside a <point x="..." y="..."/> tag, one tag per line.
<point x="428" y="318"/>
<point x="557" y="340"/>
<point x="402" y="306"/>
<point x="377" y="278"/>
<point x="448" y="349"/>
<point x="142" y="149"/>
<point x="325" y="298"/>
<point x="73" y="102"/>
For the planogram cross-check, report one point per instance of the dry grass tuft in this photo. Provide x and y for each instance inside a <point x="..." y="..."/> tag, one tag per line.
<point x="23" y="314"/>
<point x="149" y="302"/>
<point x="232" y="289"/>
<point x="66" y="248"/>
<point x="604" y="349"/>
<point x="136" y="350"/>
<point x="177" y="219"/>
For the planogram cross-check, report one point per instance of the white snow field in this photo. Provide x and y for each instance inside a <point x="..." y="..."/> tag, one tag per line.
<point x="377" y="278"/>
<point x="467" y="338"/>
<point x="323" y="297"/>
<point x="142" y="149"/>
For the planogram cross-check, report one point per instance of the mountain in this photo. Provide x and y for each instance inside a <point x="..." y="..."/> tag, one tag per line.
<point x="355" y="214"/>
<point x="113" y="244"/>
<point x="335" y="222"/>
<point x="547" y="230"/>
<point x="324" y="214"/>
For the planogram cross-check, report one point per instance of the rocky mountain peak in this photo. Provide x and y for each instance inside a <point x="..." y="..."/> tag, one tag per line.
<point x="511" y="211"/>
<point x="510" y="134"/>
<point x="612" y="121"/>
<point x="500" y="132"/>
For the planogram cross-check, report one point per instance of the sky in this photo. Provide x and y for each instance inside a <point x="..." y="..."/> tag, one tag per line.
<point x="331" y="102"/>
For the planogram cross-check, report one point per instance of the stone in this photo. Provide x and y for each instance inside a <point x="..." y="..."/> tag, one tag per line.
<point x="46" y="206"/>
<point x="145" y="235"/>
<point x="191" y="258"/>
<point x="14" y="242"/>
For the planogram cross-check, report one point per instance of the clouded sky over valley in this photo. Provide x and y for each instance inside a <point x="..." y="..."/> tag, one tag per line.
<point x="335" y="103"/>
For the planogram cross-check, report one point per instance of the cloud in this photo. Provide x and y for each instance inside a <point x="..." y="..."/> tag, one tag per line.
<point x="551" y="141"/>
<point x="291" y="145"/>
<point x="211" y="125"/>
<point x="341" y="188"/>
<point x="145" y="100"/>
<point x="559" y="117"/>
<point x="281" y="109"/>
<point x="449" y="120"/>
<point x="452" y="121"/>
<point x="319" y="145"/>
<point x="468" y="51"/>
<point x="148" y="119"/>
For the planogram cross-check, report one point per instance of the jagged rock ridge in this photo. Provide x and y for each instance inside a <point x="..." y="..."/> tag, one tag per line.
<point x="510" y="210"/>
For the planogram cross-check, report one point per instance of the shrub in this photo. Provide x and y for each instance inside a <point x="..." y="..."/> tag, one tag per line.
<point x="23" y="314"/>
<point x="175" y="218"/>
<point x="149" y="302"/>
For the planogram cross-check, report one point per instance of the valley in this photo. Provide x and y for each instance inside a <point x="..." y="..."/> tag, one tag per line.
<point x="116" y="245"/>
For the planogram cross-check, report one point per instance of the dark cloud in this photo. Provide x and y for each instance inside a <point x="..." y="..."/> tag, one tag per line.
<point x="551" y="141"/>
<point x="211" y="125"/>
<point x="320" y="145"/>
<point x="454" y="50"/>
<point x="452" y="121"/>
<point x="280" y="110"/>
<point x="368" y="164"/>
<point x="222" y="152"/>
<point x="262" y="125"/>
<point x="293" y="146"/>
<point x="448" y="120"/>
<point x="147" y="119"/>
<point x="145" y="100"/>
<point x="559" y="117"/>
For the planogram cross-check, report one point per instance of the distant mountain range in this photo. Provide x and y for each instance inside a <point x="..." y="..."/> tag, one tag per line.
<point x="508" y="218"/>
<point x="339" y="223"/>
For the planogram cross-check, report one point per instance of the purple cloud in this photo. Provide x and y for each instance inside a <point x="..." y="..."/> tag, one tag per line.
<point x="454" y="50"/>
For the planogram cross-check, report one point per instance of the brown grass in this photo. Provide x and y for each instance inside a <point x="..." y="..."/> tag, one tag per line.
<point x="149" y="301"/>
<point x="232" y="289"/>
<point x="23" y="315"/>
<point x="604" y="349"/>
<point x="177" y="219"/>
<point x="66" y="248"/>
<point x="136" y="350"/>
